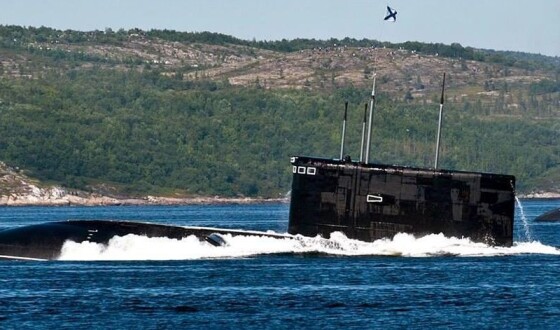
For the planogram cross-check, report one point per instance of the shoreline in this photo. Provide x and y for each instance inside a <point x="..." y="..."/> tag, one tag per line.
<point x="16" y="189"/>
<point x="540" y="195"/>
<point x="98" y="200"/>
<point x="69" y="200"/>
<point x="24" y="192"/>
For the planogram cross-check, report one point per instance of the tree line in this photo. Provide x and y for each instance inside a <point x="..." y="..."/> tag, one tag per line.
<point x="12" y="36"/>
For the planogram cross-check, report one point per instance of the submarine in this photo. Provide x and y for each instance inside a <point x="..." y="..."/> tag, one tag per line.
<point x="362" y="199"/>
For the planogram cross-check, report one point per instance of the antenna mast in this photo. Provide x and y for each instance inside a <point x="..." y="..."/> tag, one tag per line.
<point x="343" y="130"/>
<point x="363" y="134"/>
<point x="439" y="122"/>
<point x="372" y="107"/>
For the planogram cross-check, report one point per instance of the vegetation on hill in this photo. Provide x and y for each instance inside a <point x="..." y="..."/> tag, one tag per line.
<point x="165" y="112"/>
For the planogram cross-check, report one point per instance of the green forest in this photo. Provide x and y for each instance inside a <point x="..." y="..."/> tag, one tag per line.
<point x="145" y="132"/>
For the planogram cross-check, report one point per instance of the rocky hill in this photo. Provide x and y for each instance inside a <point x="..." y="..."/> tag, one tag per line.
<point x="17" y="189"/>
<point x="332" y="65"/>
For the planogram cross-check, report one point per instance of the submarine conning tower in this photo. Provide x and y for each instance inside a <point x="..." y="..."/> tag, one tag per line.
<point x="373" y="201"/>
<point x="368" y="201"/>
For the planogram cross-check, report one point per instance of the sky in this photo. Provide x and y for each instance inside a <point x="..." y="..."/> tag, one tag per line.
<point x="519" y="25"/>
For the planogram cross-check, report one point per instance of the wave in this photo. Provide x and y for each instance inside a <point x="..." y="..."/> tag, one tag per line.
<point x="134" y="247"/>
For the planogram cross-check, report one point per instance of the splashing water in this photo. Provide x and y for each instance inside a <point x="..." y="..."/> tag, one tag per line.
<point x="524" y="222"/>
<point x="133" y="247"/>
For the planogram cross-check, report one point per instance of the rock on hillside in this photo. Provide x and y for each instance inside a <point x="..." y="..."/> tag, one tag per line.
<point x="16" y="188"/>
<point x="399" y="71"/>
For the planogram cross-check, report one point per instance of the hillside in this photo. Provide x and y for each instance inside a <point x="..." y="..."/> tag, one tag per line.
<point x="184" y="114"/>
<point x="17" y="189"/>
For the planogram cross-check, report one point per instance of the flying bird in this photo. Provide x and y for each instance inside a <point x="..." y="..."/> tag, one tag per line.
<point x="391" y="15"/>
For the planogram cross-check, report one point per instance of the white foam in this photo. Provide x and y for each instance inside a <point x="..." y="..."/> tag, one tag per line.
<point x="133" y="247"/>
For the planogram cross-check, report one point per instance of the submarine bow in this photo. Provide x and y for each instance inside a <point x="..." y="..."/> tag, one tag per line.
<point x="44" y="241"/>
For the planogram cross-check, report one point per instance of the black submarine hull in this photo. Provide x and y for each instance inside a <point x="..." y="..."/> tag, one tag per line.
<point x="44" y="241"/>
<point x="371" y="201"/>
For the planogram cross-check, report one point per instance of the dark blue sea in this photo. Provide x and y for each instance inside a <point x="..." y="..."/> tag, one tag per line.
<point x="266" y="283"/>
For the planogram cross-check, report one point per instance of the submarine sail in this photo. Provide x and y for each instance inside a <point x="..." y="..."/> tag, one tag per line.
<point x="369" y="201"/>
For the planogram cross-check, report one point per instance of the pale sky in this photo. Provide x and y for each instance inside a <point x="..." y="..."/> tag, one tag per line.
<point x="519" y="25"/>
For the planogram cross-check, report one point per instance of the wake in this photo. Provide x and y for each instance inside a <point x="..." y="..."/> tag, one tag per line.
<point x="133" y="247"/>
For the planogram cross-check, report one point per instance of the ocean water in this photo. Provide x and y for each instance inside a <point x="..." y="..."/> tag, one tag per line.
<point x="264" y="283"/>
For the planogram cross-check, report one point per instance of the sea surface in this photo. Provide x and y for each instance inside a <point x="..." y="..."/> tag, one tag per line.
<point x="264" y="283"/>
